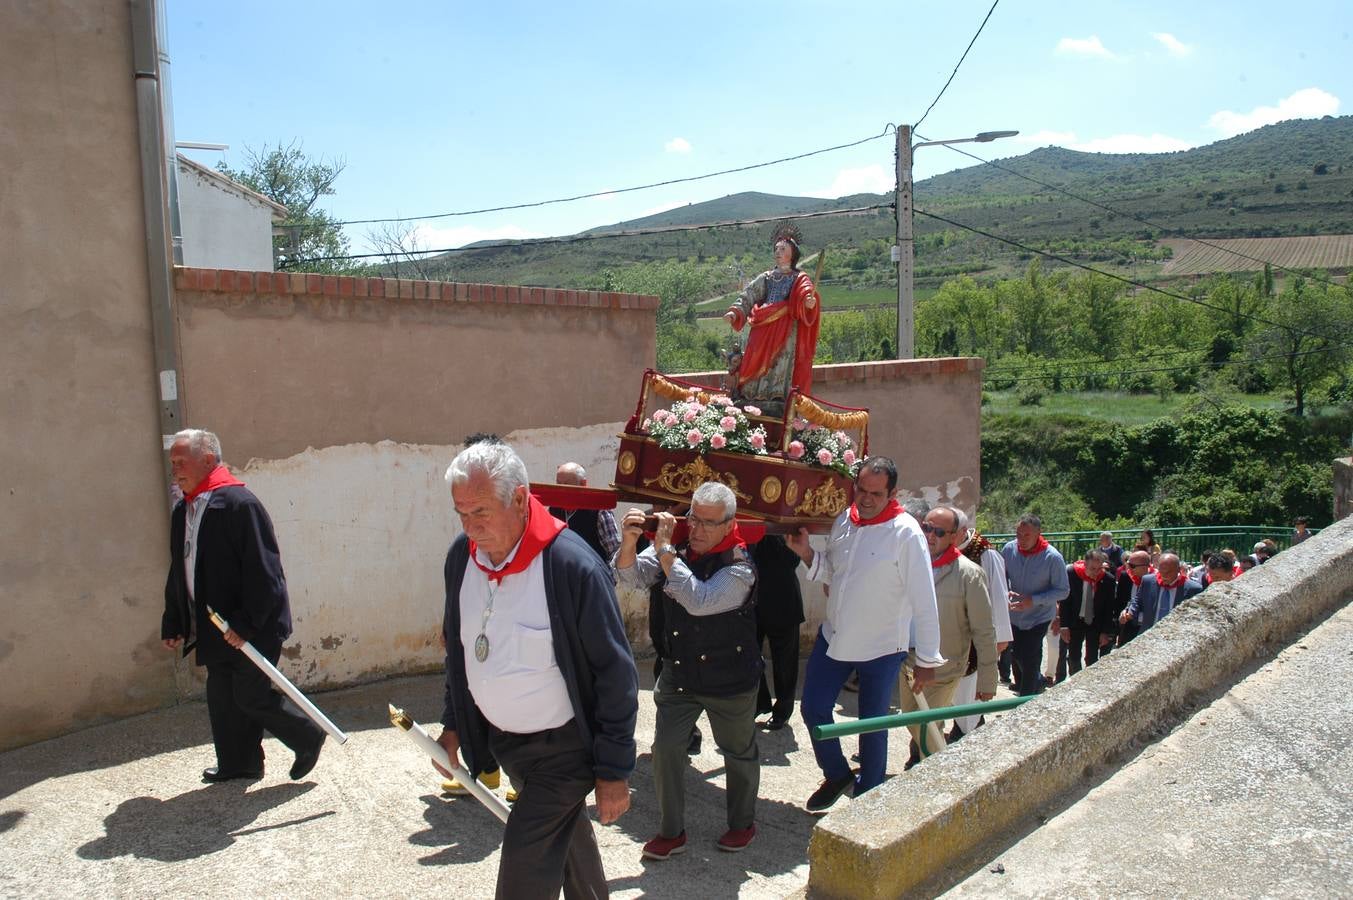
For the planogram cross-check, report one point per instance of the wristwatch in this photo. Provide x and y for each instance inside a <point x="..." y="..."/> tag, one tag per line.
<point x="667" y="548"/>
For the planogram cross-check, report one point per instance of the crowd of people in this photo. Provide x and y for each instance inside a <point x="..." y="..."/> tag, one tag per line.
<point x="540" y="675"/>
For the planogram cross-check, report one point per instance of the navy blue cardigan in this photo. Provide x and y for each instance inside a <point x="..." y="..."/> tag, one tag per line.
<point x="590" y="648"/>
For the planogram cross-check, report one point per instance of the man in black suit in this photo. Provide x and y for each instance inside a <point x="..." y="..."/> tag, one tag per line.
<point x="779" y="613"/>
<point x="224" y="555"/>
<point x="1087" y="613"/>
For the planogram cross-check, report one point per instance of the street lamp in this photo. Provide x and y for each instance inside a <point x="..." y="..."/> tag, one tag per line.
<point x="903" y="252"/>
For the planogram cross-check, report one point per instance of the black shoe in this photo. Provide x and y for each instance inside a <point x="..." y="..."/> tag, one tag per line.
<point x="775" y="723"/>
<point x="215" y="776"/>
<point x="693" y="748"/>
<point x="828" y="793"/>
<point x="305" y="760"/>
<point x="954" y="734"/>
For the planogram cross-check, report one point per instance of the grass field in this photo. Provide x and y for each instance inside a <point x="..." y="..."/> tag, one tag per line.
<point x="1128" y="409"/>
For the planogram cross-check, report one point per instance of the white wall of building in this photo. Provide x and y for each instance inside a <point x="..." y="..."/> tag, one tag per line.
<point x="222" y="228"/>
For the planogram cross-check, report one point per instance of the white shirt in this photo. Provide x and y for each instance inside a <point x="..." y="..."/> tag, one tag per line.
<point x="518" y="686"/>
<point x="999" y="589"/>
<point x="192" y="524"/>
<point x="882" y="591"/>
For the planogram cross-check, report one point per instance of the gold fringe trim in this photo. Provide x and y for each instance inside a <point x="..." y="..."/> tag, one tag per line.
<point x="806" y="408"/>
<point x="673" y="391"/>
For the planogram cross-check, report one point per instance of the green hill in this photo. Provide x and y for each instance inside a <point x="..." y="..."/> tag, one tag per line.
<point x="1291" y="178"/>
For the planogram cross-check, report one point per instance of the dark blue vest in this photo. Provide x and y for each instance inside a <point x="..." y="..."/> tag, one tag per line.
<point x="715" y="655"/>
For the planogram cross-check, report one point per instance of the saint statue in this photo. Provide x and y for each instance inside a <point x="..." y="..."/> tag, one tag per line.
<point x="783" y="309"/>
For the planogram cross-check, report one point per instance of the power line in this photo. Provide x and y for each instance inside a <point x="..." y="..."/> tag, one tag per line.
<point x="1127" y="215"/>
<point x="1079" y="265"/>
<point x="641" y="187"/>
<point x="956" y="65"/>
<point x="1229" y="362"/>
<point x="1130" y="358"/>
<point x="592" y="236"/>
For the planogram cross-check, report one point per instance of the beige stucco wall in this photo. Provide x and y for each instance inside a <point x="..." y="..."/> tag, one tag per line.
<point x="83" y="530"/>
<point x="277" y="364"/>
<point x="364" y="529"/>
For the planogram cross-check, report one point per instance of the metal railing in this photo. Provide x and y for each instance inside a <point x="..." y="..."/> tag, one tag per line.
<point x="1189" y="541"/>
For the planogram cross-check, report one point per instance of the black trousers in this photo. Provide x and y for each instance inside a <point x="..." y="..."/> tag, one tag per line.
<point x="1028" y="657"/>
<point x="242" y="704"/>
<point x="784" y="668"/>
<point x="1084" y="644"/>
<point x="549" y="842"/>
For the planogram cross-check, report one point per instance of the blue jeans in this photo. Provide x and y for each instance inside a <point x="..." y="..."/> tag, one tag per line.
<point x="822" y="684"/>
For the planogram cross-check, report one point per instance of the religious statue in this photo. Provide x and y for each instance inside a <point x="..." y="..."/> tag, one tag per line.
<point x="783" y="309"/>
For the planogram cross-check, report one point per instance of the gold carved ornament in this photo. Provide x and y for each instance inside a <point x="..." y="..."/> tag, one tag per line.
<point x="792" y="493"/>
<point x="685" y="479"/>
<point x="627" y="463"/>
<point x="770" y="489"/>
<point x="824" y="500"/>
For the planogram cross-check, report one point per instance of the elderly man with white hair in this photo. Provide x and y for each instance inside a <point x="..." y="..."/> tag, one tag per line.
<point x="711" y="660"/>
<point x="539" y="674"/>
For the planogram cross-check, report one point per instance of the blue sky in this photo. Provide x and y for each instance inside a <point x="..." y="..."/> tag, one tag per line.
<point x="442" y="106"/>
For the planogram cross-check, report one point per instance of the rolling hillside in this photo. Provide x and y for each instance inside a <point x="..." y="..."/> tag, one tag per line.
<point x="1292" y="178"/>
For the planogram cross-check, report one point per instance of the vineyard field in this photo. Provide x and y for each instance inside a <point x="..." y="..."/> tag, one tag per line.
<point x="1322" y="251"/>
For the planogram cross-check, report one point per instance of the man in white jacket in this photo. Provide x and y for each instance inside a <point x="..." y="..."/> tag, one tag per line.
<point x="878" y="566"/>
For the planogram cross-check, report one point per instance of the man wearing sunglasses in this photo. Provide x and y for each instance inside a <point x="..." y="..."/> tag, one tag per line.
<point x="878" y="566"/>
<point x="965" y="622"/>
<point x="711" y="660"/>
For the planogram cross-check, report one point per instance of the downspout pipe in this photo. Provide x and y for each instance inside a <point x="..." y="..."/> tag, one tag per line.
<point x="158" y="184"/>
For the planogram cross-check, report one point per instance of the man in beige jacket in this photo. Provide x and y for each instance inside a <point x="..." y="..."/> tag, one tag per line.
<point x="965" y="621"/>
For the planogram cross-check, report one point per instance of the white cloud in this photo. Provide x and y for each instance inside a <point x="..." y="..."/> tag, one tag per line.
<point x="873" y="179"/>
<point x="1309" y="103"/>
<point x="677" y="145"/>
<point x="1173" y="44"/>
<point x="1090" y="46"/>
<point x="1132" y="143"/>
<point x="430" y="237"/>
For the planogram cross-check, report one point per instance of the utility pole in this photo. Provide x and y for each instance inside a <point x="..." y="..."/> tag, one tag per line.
<point x="904" y="253"/>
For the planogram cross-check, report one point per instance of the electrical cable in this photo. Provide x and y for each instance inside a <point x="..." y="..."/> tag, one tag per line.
<point x="1079" y="265"/>
<point x="641" y="187"/>
<point x="956" y="66"/>
<point x="592" y="236"/>
<point x="1209" y="365"/>
<point x="1136" y="218"/>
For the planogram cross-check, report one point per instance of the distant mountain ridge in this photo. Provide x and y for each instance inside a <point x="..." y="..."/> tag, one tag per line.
<point x="1293" y="177"/>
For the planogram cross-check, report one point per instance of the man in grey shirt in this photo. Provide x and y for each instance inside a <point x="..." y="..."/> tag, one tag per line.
<point x="711" y="662"/>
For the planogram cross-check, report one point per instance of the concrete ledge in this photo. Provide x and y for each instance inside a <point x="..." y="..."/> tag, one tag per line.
<point x="916" y="832"/>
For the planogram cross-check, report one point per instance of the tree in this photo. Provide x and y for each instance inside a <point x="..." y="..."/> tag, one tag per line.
<point x="286" y="175"/>
<point x="1309" y="340"/>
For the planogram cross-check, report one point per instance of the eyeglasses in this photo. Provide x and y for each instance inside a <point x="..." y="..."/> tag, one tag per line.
<point x="697" y="522"/>
<point x="1133" y="565"/>
<point x="938" y="532"/>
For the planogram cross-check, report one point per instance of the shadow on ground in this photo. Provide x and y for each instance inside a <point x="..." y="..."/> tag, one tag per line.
<point x="190" y="825"/>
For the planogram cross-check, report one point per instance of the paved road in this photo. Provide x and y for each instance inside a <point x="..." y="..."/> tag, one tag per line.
<point x="1252" y="796"/>
<point x="119" y="810"/>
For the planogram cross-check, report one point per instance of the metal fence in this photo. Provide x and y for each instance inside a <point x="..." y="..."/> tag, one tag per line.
<point x="1189" y="541"/>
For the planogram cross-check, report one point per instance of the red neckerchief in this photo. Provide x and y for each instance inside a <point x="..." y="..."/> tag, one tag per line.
<point x="1038" y="547"/>
<point x="541" y="530"/>
<point x="946" y="557"/>
<point x="218" y="477"/>
<point x="891" y="511"/>
<point x="1137" y="579"/>
<point x="1079" y="569"/>
<point x="1178" y="582"/>
<point x="1237" y="571"/>
<point x="731" y="540"/>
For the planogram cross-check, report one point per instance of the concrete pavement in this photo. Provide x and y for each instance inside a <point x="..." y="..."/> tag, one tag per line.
<point x="1252" y="796"/>
<point x="119" y="810"/>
